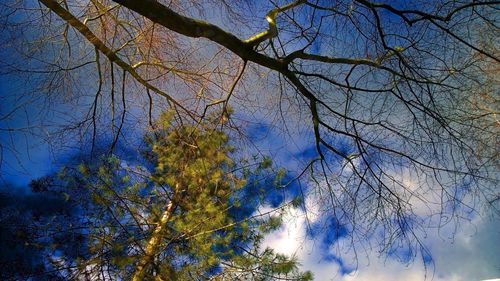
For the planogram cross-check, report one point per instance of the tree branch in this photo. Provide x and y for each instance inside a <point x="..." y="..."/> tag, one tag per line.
<point x="194" y="28"/>
<point x="110" y="54"/>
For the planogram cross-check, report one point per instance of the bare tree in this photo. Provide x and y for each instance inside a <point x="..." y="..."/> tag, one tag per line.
<point x="401" y="99"/>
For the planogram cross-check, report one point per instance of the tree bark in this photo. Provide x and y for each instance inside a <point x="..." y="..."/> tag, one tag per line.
<point x="152" y="246"/>
<point x="162" y="15"/>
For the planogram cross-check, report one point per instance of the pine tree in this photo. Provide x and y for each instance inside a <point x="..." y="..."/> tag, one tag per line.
<point x="181" y="219"/>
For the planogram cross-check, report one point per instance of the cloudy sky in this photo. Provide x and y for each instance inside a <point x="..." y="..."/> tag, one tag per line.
<point x="468" y="252"/>
<point x="464" y="252"/>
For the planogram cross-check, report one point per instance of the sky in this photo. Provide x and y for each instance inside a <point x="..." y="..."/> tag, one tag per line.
<point x="470" y="252"/>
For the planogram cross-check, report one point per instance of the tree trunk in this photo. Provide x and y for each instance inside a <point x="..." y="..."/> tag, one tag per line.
<point x="153" y="243"/>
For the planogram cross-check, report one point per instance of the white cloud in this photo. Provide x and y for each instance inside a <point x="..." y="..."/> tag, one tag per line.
<point x="470" y="255"/>
<point x="473" y="253"/>
<point x="291" y="240"/>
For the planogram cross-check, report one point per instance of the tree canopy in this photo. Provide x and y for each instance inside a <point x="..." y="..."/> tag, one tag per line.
<point x="392" y="105"/>
<point x="180" y="217"/>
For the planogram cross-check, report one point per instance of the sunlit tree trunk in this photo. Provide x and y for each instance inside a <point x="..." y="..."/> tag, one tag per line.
<point x="154" y="241"/>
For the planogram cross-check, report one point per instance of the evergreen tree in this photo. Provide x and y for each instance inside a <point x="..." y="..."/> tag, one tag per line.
<point x="186" y="215"/>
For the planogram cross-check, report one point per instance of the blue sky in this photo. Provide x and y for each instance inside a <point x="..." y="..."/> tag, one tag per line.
<point x="24" y="157"/>
<point x="467" y="253"/>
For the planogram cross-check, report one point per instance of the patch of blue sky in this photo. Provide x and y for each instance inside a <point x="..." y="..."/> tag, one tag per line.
<point x="344" y="145"/>
<point x="180" y="261"/>
<point x="344" y="268"/>
<point x="259" y="131"/>
<point x="307" y="153"/>
<point x="328" y="229"/>
<point x="402" y="253"/>
<point x="214" y="270"/>
<point x="32" y="111"/>
<point x="289" y="152"/>
<point x="427" y="258"/>
<point x="19" y="162"/>
<point x="245" y="209"/>
<point x="325" y="231"/>
<point x="261" y="191"/>
<point x="326" y="234"/>
<point x="405" y="247"/>
<point x="27" y="155"/>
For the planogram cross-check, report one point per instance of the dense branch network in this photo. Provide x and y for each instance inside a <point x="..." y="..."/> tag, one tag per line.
<point x="285" y="65"/>
<point x="396" y="96"/>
